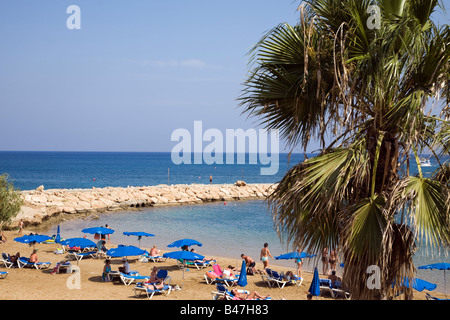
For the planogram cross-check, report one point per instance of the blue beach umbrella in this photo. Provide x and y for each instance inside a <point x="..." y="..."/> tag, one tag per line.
<point x="139" y="235"/>
<point x="32" y="238"/>
<point x="314" y="289"/>
<point x="439" y="266"/>
<point x="98" y="230"/>
<point x="184" y="242"/>
<point x="294" y="255"/>
<point x="78" y="242"/>
<point x="419" y="284"/>
<point x="58" y="235"/>
<point x="184" y="255"/>
<point x="125" y="251"/>
<point x="242" y="281"/>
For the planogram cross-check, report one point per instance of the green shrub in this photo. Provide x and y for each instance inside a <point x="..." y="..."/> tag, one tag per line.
<point x="10" y="200"/>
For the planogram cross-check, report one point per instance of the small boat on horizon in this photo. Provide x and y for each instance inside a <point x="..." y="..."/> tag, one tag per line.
<point x="425" y="162"/>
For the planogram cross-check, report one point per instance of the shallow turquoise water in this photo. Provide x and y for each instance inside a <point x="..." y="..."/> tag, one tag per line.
<point x="225" y="230"/>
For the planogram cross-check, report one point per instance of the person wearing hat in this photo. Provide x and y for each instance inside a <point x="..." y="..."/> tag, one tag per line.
<point x="34" y="257"/>
<point x="126" y="266"/>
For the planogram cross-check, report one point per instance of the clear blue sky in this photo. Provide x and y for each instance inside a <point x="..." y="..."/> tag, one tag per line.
<point x="136" y="71"/>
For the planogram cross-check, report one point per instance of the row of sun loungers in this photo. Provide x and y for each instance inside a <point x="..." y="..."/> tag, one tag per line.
<point x="23" y="262"/>
<point x="274" y="278"/>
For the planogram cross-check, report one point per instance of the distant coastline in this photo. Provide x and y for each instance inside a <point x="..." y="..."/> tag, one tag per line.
<point x="39" y="205"/>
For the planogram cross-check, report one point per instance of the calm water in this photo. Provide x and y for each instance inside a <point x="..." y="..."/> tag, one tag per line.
<point x="71" y="170"/>
<point x="225" y="230"/>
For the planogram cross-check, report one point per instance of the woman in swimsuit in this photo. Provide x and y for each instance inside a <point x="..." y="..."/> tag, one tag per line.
<point x="248" y="296"/>
<point x="325" y="260"/>
<point x="265" y="254"/>
<point x="332" y="261"/>
<point x="299" y="265"/>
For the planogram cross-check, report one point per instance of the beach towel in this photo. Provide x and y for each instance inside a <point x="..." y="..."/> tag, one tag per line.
<point x="217" y="270"/>
<point x="212" y="275"/>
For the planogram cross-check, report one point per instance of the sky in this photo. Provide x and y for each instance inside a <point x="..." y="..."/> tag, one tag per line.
<point x="133" y="73"/>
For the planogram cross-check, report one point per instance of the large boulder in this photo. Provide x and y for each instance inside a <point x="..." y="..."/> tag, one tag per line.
<point x="240" y="183"/>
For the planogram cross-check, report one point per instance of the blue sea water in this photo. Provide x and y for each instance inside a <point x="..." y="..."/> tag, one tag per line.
<point x="224" y="229"/>
<point x="71" y="170"/>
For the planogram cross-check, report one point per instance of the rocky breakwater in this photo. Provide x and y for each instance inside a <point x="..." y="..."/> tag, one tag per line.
<point x="40" y="205"/>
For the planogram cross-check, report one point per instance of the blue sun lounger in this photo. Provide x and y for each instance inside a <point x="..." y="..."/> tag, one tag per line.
<point x="7" y="261"/>
<point x="128" y="279"/>
<point x="80" y="255"/>
<point x="25" y="263"/>
<point x="3" y="274"/>
<point x="141" y="288"/>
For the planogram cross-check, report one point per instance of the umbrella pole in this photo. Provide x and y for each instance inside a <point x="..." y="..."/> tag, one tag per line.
<point x="445" y="281"/>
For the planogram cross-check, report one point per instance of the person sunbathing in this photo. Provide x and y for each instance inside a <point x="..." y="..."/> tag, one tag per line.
<point x="154" y="253"/>
<point x="248" y="296"/>
<point x="158" y="285"/>
<point x="14" y="258"/>
<point x="34" y="257"/>
<point x="153" y="275"/>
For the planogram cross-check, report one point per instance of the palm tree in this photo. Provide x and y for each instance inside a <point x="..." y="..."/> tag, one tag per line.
<point x="374" y="91"/>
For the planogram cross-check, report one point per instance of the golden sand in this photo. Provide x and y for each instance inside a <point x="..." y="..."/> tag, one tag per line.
<point x="33" y="284"/>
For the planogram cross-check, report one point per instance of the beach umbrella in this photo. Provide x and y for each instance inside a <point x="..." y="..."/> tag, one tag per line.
<point x="78" y="242"/>
<point x="183" y="255"/>
<point x="419" y="284"/>
<point x="439" y="266"/>
<point x="314" y="289"/>
<point x="58" y="235"/>
<point x="294" y="255"/>
<point x="98" y="230"/>
<point x="139" y="235"/>
<point x="242" y="281"/>
<point x="125" y="251"/>
<point x="32" y="238"/>
<point x="184" y="242"/>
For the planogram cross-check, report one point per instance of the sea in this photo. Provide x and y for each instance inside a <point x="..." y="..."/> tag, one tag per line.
<point x="225" y="229"/>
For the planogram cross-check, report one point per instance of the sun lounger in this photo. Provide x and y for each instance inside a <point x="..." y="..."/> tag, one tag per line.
<point x="337" y="290"/>
<point x="430" y="297"/>
<point x="117" y="275"/>
<point x="128" y="279"/>
<point x="222" y="293"/>
<point x="3" y="274"/>
<point x="6" y="260"/>
<point x="80" y="255"/>
<point x="267" y="277"/>
<point x="325" y="286"/>
<point x="200" y="264"/>
<point x="273" y="277"/>
<point x="156" y="258"/>
<point x="220" y="277"/>
<point x="210" y="277"/>
<point x="141" y="288"/>
<point x="25" y="263"/>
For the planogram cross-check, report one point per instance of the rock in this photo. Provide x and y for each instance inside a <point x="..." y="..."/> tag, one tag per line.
<point x="40" y="188"/>
<point x="240" y="183"/>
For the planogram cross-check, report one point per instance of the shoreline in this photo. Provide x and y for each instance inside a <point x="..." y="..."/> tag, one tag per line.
<point x="40" y="205"/>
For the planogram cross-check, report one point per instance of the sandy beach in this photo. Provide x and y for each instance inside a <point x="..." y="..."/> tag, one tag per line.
<point x="33" y="284"/>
